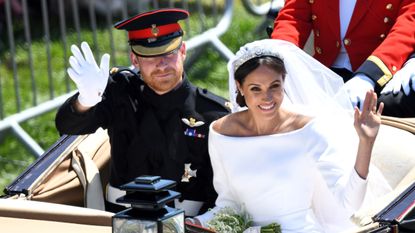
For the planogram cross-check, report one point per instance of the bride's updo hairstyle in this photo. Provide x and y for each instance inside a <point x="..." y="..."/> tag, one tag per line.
<point x="272" y="62"/>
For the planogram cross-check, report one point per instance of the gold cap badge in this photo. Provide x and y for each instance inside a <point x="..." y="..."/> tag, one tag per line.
<point x="154" y="30"/>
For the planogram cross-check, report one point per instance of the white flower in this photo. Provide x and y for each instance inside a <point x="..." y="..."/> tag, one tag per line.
<point x="228" y="220"/>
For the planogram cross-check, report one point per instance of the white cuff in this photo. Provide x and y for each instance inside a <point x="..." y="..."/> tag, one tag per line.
<point x="409" y="62"/>
<point x="191" y="208"/>
<point x="204" y="218"/>
<point x="364" y="77"/>
<point x="356" y="190"/>
<point x="113" y="193"/>
<point x="356" y="179"/>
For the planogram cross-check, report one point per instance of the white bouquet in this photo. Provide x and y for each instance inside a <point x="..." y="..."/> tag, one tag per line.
<point x="228" y="220"/>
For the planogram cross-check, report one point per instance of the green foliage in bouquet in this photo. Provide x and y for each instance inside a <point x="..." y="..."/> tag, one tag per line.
<point x="228" y="220"/>
<point x="271" y="228"/>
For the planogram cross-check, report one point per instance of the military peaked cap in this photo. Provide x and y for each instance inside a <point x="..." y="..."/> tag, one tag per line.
<point x="154" y="33"/>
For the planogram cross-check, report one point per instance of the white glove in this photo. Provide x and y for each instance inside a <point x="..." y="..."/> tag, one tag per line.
<point x="401" y="79"/>
<point x="90" y="79"/>
<point x="357" y="88"/>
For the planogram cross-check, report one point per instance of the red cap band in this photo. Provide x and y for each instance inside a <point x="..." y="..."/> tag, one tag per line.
<point x="156" y="31"/>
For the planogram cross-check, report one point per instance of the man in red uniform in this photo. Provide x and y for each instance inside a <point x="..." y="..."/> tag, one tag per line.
<point x="367" y="42"/>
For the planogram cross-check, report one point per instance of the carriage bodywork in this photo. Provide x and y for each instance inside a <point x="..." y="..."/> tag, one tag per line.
<point x="65" y="188"/>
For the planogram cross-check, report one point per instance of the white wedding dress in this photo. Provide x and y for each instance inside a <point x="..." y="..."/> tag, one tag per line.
<point x="302" y="180"/>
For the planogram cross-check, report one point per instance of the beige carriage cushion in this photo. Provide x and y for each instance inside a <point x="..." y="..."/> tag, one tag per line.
<point x="17" y="208"/>
<point x="407" y="180"/>
<point x="394" y="153"/>
<point x="22" y="225"/>
<point x="363" y="229"/>
<point x="62" y="185"/>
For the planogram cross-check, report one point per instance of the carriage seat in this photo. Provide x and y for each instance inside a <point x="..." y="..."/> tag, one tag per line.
<point x="18" y="215"/>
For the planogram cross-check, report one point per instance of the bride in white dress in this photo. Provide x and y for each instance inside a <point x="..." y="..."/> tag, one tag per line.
<point x="289" y="154"/>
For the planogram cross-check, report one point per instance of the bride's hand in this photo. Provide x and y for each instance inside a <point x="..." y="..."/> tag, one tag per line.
<point x="194" y="221"/>
<point x="367" y="121"/>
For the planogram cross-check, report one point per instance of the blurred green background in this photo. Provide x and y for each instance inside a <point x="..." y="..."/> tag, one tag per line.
<point x="209" y="71"/>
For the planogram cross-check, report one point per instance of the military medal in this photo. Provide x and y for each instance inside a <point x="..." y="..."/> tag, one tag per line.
<point x="188" y="172"/>
<point x="192" y="122"/>
<point x="193" y="133"/>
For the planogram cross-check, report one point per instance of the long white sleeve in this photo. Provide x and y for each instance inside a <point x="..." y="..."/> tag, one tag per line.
<point x="335" y="153"/>
<point x="226" y="198"/>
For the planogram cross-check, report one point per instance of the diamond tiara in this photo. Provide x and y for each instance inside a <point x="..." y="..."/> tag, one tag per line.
<point x="245" y="54"/>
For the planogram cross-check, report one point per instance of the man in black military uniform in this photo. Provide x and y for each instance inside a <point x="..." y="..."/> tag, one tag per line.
<point x="158" y="122"/>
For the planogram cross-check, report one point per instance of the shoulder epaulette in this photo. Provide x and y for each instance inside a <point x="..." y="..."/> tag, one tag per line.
<point x="129" y="82"/>
<point x="122" y="71"/>
<point x="214" y="98"/>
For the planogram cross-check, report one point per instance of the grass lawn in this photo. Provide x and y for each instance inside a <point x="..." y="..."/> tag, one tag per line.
<point x="209" y="71"/>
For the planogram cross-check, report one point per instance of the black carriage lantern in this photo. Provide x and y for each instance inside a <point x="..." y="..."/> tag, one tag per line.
<point x="148" y="196"/>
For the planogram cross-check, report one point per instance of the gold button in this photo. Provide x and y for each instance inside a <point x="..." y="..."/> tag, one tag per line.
<point x="389" y="6"/>
<point x="314" y="17"/>
<point x="311" y="1"/>
<point x="382" y="35"/>
<point x="386" y="20"/>
<point x="318" y="50"/>
<point x="337" y="44"/>
<point x="394" y="68"/>
<point x="347" y="41"/>
<point x="317" y="32"/>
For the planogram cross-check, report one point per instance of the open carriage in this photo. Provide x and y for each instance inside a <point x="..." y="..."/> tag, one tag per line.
<point x="63" y="189"/>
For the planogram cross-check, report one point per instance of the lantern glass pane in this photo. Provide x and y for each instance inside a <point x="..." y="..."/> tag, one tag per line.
<point x="174" y="224"/>
<point x="123" y="225"/>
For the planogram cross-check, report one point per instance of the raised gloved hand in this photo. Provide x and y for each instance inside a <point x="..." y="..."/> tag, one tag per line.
<point x="90" y="79"/>
<point x="401" y="79"/>
<point x="357" y="88"/>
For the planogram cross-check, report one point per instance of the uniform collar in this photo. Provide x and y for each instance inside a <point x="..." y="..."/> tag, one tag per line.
<point x="171" y="100"/>
<point x="181" y="98"/>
